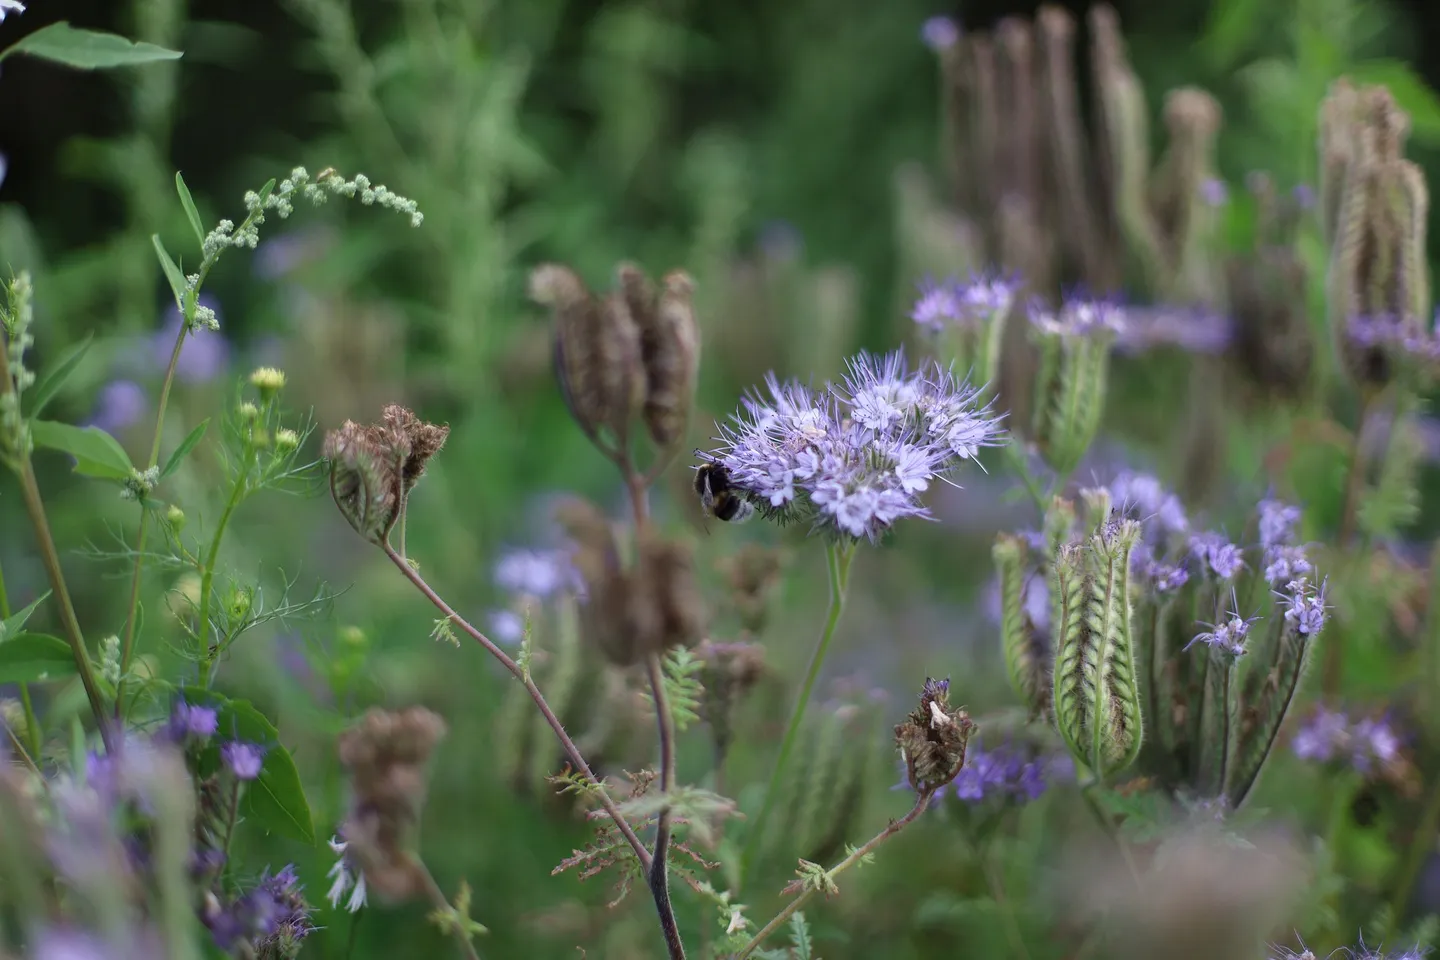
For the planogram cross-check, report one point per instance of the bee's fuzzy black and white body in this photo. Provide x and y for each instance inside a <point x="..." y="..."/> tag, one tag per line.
<point x="718" y="496"/>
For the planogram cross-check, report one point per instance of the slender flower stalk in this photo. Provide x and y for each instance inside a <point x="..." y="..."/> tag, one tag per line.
<point x="50" y="559"/>
<point x="838" y="558"/>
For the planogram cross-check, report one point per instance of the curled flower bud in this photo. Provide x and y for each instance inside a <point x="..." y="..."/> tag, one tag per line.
<point x="932" y="740"/>
<point x="1096" y="688"/>
<point x="597" y="351"/>
<point x="669" y="349"/>
<point x="385" y="755"/>
<point x="1027" y="654"/>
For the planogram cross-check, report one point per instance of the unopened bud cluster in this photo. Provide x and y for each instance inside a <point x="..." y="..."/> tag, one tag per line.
<point x="633" y="353"/>
<point x="16" y="315"/>
<point x="1144" y="653"/>
<point x="374" y="467"/>
<point x="635" y="609"/>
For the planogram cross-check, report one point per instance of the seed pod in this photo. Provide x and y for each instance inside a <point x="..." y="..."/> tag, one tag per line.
<point x="367" y="466"/>
<point x="669" y="347"/>
<point x="752" y="574"/>
<point x="1069" y="407"/>
<point x="665" y="601"/>
<point x="596" y="352"/>
<point x="606" y="619"/>
<point x="932" y="740"/>
<point x="424" y="439"/>
<point x="1097" y="697"/>
<point x="1184" y="221"/>
<point x="1027" y="654"/>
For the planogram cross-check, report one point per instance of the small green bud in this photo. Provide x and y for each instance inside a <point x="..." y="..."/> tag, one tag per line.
<point x="248" y="412"/>
<point x="110" y="659"/>
<point x="286" y="440"/>
<point x="239" y="601"/>
<point x="1072" y="380"/>
<point x="175" y="517"/>
<point x="353" y="637"/>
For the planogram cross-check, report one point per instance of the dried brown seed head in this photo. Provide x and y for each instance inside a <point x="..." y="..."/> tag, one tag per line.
<point x="424" y="439"/>
<point x="367" y="476"/>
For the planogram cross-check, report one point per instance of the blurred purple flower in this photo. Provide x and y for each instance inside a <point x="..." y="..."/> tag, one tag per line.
<point x="1009" y="774"/>
<point x="279" y="256"/>
<point x="1079" y="315"/>
<point x="120" y="404"/>
<point x="1193" y="329"/>
<point x="204" y="354"/>
<point x="1304" y="606"/>
<point x="1224" y="558"/>
<point x="1303" y="195"/>
<point x="1214" y="192"/>
<point x="1320" y="737"/>
<point x="507" y="627"/>
<point x="540" y="574"/>
<point x="243" y="759"/>
<point x="940" y="33"/>
<point x="190" y="722"/>
<point x="1329" y="736"/>
<point x="1145" y="498"/>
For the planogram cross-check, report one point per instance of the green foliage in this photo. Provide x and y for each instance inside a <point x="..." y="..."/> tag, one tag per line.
<point x="97" y="454"/>
<point x="87" y="49"/>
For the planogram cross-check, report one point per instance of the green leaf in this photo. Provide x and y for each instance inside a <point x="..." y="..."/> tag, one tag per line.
<point x="87" y="49"/>
<point x="51" y="383"/>
<point x="1231" y="28"/>
<point x="188" y="202"/>
<point x="11" y="626"/>
<point x="97" y="454"/>
<point x="1411" y="93"/>
<point x="28" y="657"/>
<point x="182" y="451"/>
<point x="178" y="285"/>
<point x="275" y="800"/>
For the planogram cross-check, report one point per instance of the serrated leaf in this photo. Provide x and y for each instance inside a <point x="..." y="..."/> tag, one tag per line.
<point x="1412" y="94"/>
<point x="51" y="383"/>
<point x="275" y="800"/>
<point x="96" y="453"/>
<point x="29" y="657"/>
<point x="88" y="49"/>
<point x="188" y="202"/>
<point x="10" y="626"/>
<point x="173" y="276"/>
<point x="182" y="451"/>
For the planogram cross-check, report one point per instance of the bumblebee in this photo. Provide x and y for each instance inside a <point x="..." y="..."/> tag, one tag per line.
<point x="719" y="498"/>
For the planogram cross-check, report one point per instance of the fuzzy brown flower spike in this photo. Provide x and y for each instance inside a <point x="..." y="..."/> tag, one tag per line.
<point x="386" y="754"/>
<point x="932" y="740"/>
<point x="374" y="467"/>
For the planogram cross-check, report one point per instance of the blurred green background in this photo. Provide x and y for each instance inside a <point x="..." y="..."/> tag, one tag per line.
<point x="758" y="144"/>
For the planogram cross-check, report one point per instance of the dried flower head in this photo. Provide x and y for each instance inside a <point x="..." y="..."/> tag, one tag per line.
<point x="373" y="468"/>
<point x="932" y="740"/>
<point x="597" y="352"/>
<point x="752" y="575"/>
<point x="385" y="755"/>
<point x="669" y="348"/>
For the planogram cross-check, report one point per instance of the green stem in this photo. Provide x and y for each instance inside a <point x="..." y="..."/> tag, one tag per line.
<point x="1111" y="830"/>
<point x="127" y="645"/>
<point x="50" y="559"/>
<point x="837" y="565"/>
<point x="1334" y="668"/>
<point x="1017" y="463"/>
<point x="207" y="581"/>
<point x="996" y="881"/>
<point x="32" y="727"/>
<point x="922" y="803"/>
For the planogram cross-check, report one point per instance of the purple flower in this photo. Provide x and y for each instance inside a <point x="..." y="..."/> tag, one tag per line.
<point x="984" y="297"/>
<point x="271" y="915"/>
<point x="243" y="759"/>
<point x="1283" y="564"/>
<point x="203" y="356"/>
<point x="540" y="574"/>
<point x="1224" y="558"/>
<point x="1320" y="738"/>
<point x="507" y="627"/>
<point x="1304" y="196"/>
<point x="1277" y="523"/>
<point x="1373" y="743"/>
<point x="187" y="722"/>
<point x="279" y="256"/>
<point x="1304" y="606"/>
<point x="1010" y="774"/>
<point x="1193" y="329"/>
<point x="1228" y="636"/>
<point x="852" y="460"/>
<point x="120" y="404"/>
<point x="937" y="306"/>
<point x="1078" y="316"/>
<point x="1214" y="192"/>
<point x="1147" y="499"/>
<point x="940" y="33"/>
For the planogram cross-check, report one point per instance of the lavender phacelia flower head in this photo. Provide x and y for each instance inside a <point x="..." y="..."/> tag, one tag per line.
<point x="1009" y="774"/>
<point x="1143" y="496"/>
<point x="538" y="574"/>
<point x="852" y="460"/>
<point x="953" y="303"/>
<point x="1360" y="952"/>
<point x="1214" y="192"/>
<point x="1079" y="315"/>
<point x="1227" y="636"/>
<point x="1217" y="554"/>
<point x="190" y="724"/>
